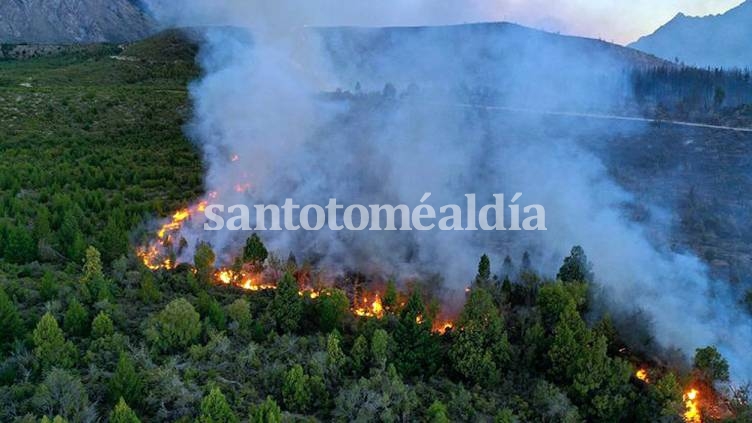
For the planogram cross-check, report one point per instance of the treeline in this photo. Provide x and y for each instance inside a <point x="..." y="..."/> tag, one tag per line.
<point x="694" y="94"/>
<point x="132" y="345"/>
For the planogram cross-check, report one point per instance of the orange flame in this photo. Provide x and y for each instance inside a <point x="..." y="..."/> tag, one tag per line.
<point x="692" y="406"/>
<point x="248" y="282"/>
<point x="374" y="309"/>
<point x="155" y="257"/>
<point x="154" y="254"/>
<point x="442" y="327"/>
<point x="642" y="374"/>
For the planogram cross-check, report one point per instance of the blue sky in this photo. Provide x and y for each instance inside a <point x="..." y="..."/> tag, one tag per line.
<point x="620" y="21"/>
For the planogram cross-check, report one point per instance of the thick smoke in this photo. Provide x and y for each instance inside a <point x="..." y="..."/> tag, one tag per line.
<point x="268" y="134"/>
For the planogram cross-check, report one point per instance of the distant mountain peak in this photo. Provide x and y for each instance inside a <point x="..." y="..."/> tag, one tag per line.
<point x="722" y="40"/>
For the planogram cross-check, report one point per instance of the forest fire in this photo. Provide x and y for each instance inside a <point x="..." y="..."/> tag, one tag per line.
<point x="692" y="406"/>
<point x="691" y="399"/>
<point x="443" y="327"/>
<point x="241" y="280"/>
<point x="154" y="255"/>
<point x="642" y="374"/>
<point x="157" y="256"/>
<point x="370" y="308"/>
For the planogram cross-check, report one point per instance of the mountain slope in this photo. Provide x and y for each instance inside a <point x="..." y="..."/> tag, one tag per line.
<point x="711" y="41"/>
<point x="72" y="21"/>
<point x="526" y="67"/>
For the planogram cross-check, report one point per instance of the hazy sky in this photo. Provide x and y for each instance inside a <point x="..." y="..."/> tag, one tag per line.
<point x="613" y="20"/>
<point x="620" y="21"/>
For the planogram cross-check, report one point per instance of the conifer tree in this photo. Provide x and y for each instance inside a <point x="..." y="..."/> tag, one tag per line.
<point x="50" y="347"/>
<point x="11" y="326"/>
<point x="215" y="409"/>
<point x="123" y="414"/>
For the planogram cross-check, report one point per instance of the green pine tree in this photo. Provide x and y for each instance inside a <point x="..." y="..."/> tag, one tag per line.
<point x="215" y="409"/>
<point x="417" y="351"/>
<point x="50" y="347"/>
<point x="11" y="325"/>
<point x="480" y="348"/>
<point x="123" y="414"/>
<point x="126" y="383"/>
<point x="576" y="267"/>
<point x="76" y="320"/>
<point x="102" y="326"/>
<point x="255" y="252"/>
<point x="203" y="260"/>
<point x="266" y="412"/>
<point x="483" y="278"/>
<point x="296" y="390"/>
<point x="287" y="307"/>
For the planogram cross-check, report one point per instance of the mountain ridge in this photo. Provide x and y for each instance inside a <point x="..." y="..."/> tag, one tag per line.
<point x="707" y="41"/>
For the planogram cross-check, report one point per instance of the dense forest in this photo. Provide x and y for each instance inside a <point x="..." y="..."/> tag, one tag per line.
<point x="695" y="95"/>
<point x="93" y="150"/>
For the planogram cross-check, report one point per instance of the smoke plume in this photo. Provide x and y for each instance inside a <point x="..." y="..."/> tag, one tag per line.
<point x="268" y="133"/>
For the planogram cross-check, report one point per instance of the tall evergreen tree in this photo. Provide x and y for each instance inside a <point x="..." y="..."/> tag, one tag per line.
<point x="576" y="267"/>
<point x="333" y="307"/>
<point x="11" y="325"/>
<point x="389" y="300"/>
<point x="123" y="414"/>
<point x="266" y="412"/>
<point x="126" y="383"/>
<point x="296" y="389"/>
<point x="20" y="246"/>
<point x="114" y="239"/>
<point x="203" y="260"/>
<point x="483" y="278"/>
<point x="711" y="365"/>
<point x="102" y="326"/>
<point x="287" y="306"/>
<point x="255" y="252"/>
<point x="380" y="348"/>
<point x="215" y="409"/>
<point x="480" y="347"/>
<point x="417" y="351"/>
<point x="76" y="320"/>
<point x="50" y="347"/>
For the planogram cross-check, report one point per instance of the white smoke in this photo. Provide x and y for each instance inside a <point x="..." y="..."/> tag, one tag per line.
<point x="260" y="100"/>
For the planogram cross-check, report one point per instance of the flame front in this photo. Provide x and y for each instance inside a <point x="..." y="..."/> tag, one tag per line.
<point x="692" y="406"/>
<point x="247" y="281"/>
<point x="642" y="374"/>
<point x="374" y="309"/>
<point x="155" y="254"/>
<point x="443" y="327"/>
<point x="158" y="255"/>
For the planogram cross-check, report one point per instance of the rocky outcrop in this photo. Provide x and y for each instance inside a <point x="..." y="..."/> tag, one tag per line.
<point x="73" y="21"/>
